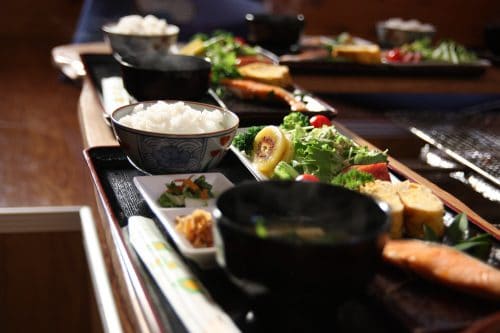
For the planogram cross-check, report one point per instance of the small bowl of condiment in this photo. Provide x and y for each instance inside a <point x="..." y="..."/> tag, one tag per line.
<point x="299" y="238"/>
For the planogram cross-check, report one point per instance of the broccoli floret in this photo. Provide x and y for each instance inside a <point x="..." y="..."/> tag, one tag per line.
<point x="285" y="171"/>
<point x="352" y="179"/>
<point x="244" y="140"/>
<point x="294" y="119"/>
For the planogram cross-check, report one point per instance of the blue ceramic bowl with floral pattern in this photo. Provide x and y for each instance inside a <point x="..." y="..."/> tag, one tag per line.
<point x="138" y="47"/>
<point x="163" y="153"/>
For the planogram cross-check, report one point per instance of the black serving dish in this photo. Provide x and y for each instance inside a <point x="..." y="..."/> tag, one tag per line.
<point x="326" y="66"/>
<point x="314" y="59"/>
<point x="170" y="76"/>
<point x="308" y="231"/>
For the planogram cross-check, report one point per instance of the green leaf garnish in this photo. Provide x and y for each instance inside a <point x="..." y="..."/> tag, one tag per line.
<point x="478" y="246"/>
<point x="429" y="234"/>
<point x="457" y="231"/>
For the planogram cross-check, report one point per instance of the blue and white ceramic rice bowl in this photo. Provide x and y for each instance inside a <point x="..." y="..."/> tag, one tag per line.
<point x="181" y="152"/>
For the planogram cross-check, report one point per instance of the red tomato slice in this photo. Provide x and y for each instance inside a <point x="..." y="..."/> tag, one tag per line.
<point x="378" y="170"/>
<point x="319" y="120"/>
<point x="307" y="178"/>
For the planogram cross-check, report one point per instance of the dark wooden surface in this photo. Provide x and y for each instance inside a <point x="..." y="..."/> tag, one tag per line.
<point x="44" y="284"/>
<point x="44" y="280"/>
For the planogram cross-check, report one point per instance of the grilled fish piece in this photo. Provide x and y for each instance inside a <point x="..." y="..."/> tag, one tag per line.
<point x="247" y="89"/>
<point x="445" y="265"/>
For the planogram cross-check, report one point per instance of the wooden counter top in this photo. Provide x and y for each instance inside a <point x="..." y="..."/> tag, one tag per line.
<point x="488" y="83"/>
<point x="94" y="127"/>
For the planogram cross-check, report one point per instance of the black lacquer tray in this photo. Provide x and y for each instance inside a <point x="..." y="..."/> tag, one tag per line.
<point x="331" y="67"/>
<point x="394" y="302"/>
<point x="99" y="66"/>
<point x="319" y="63"/>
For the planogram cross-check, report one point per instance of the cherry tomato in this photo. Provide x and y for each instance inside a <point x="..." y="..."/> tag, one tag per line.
<point x="320" y="120"/>
<point x="407" y="57"/>
<point x="394" y="55"/>
<point x="307" y="178"/>
<point x="240" y="40"/>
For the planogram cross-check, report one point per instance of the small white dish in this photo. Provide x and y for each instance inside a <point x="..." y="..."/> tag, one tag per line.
<point x="151" y="187"/>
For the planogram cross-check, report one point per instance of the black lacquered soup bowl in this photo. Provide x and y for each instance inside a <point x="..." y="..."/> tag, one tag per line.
<point x="336" y="264"/>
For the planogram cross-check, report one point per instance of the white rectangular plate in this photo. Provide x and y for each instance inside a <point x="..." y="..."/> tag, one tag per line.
<point x="151" y="187"/>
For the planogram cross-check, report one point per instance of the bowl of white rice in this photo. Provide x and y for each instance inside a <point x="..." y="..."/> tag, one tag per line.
<point x="161" y="137"/>
<point x="136" y="37"/>
<point x="395" y="32"/>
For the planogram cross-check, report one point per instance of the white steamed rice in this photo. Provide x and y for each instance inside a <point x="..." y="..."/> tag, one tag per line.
<point x="410" y="25"/>
<point x="138" y="25"/>
<point x="175" y="118"/>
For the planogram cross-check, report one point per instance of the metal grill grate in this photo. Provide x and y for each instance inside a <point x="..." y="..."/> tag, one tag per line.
<point x="472" y="137"/>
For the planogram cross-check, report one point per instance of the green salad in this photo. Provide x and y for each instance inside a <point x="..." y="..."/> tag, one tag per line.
<point x="298" y="148"/>
<point x="223" y="50"/>
<point x="445" y="51"/>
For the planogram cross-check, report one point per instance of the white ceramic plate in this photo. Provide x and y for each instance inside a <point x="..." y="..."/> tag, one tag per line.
<point x="151" y="187"/>
<point x="260" y="176"/>
<point x="248" y="164"/>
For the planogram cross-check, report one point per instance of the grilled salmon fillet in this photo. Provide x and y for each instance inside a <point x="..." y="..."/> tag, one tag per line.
<point x="247" y="89"/>
<point x="445" y="265"/>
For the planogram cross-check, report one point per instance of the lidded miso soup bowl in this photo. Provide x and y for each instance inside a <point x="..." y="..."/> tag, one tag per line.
<point x="171" y="76"/>
<point x="299" y="237"/>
